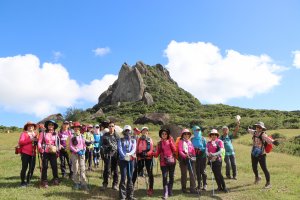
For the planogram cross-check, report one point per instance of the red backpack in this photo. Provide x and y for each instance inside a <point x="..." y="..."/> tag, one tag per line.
<point x="268" y="147"/>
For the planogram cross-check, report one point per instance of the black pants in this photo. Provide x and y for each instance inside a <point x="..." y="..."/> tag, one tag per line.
<point x="217" y="170"/>
<point x="168" y="171"/>
<point x="126" y="169"/>
<point x="263" y="164"/>
<point x="201" y="170"/>
<point x="64" y="157"/>
<point x="140" y="166"/>
<point x="27" y="160"/>
<point x="88" y="157"/>
<point x="53" y="162"/>
<point x="110" y="166"/>
<point x="96" y="156"/>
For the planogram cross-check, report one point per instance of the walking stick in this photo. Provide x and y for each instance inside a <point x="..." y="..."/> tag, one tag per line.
<point x="193" y="176"/>
<point x="212" y="179"/>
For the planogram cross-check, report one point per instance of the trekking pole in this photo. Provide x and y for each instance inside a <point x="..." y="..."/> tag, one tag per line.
<point x="194" y="176"/>
<point x="146" y="174"/>
<point x="212" y="179"/>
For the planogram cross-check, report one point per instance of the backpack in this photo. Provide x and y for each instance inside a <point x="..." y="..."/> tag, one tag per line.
<point x="176" y="147"/>
<point x="268" y="147"/>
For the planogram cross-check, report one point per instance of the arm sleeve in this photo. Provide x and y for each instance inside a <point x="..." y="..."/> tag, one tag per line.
<point x="24" y="140"/>
<point x="251" y="131"/>
<point x="221" y="144"/>
<point x="157" y="152"/>
<point x="40" y="140"/>
<point x="120" y="149"/>
<point x="173" y="147"/>
<point x="150" y="152"/>
<point x="180" y="150"/>
<point x="133" y="148"/>
<point x="267" y="139"/>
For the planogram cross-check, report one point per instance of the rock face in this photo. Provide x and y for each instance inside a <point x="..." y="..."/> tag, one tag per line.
<point x="147" y="98"/>
<point x="129" y="87"/>
<point x="56" y="117"/>
<point x="155" y="118"/>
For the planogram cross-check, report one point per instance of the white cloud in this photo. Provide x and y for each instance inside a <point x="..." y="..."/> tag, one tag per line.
<point x="27" y="87"/>
<point x="296" y="62"/>
<point x="57" y="55"/>
<point x="201" y="69"/>
<point x="101" y="51"/>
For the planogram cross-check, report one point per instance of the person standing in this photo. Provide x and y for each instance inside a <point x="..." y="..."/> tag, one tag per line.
<point x="27" y="143"/>
<point x="126" y="148"/>
<point x="97" y="138"/>
<point x="166" y="149"/>
<point x="48" y="145"/>
<point x="186" y="156"/>
<point x="199" y="143"/>
<point x="229" y="151"/>
<point x="258" y="154"/>
<point x="214" y="150"/>
<point x="89" y="142"/>
<point x="64" y="134"/>
<point x="145" y="158"/>
<point x="109" y="153"/>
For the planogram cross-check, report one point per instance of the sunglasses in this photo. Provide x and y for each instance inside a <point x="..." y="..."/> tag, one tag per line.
<point x="186" y="133"/>
<point x="214" y="134"/>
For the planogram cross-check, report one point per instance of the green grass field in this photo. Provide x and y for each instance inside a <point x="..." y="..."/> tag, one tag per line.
<point x="284" y="170"/>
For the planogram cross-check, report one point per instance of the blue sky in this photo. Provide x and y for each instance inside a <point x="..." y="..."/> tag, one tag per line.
<point x="59" y="54"/>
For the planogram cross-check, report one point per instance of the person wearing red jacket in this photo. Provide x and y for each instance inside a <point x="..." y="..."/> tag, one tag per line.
<point x="49" y="147"/>
<point x="27" y="142"/>
<point x="165" y="149"/>
<point x="144" y="156"/>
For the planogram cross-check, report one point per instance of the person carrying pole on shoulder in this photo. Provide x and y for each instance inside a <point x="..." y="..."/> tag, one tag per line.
<point x="77" y="148"/>
<point x="127" y="149"/>
<point x="258" y="154"/>
<point x="49" y="145"/>
<point x="27" y="143"/>
<point x="199" y="143"/>
<point x="144" y="156"/>
<point x="109" y="153"/>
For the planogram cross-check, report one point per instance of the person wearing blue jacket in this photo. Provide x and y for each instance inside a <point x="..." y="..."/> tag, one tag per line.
<point x="127" y="149"/>
<point x="97" y="145"/>
<point x="199" y="143"/>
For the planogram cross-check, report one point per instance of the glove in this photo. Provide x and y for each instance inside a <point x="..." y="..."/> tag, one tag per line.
<point x="275" y="142"/>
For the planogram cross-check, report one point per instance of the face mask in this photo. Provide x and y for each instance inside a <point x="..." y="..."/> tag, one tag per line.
<point x="197" y="133"/>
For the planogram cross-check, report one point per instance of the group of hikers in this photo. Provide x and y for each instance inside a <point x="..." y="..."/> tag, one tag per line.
<point x="133" y="152"/>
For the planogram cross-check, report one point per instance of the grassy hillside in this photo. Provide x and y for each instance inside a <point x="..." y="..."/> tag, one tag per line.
<point x="284" y="170"/>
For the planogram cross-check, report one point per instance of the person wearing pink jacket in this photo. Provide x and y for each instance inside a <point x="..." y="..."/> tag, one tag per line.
<point x="187" y="158"/>
<point x="165" y="149"/>
<point x="77" y="147"/>
<point x="49" y="147"/>
<point x="27" y="142"/>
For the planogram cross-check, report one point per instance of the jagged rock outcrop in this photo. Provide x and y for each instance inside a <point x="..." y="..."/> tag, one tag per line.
<point x="154" y="118"/>
<point x="56" y="117"/>
<point x="147" y="98"/>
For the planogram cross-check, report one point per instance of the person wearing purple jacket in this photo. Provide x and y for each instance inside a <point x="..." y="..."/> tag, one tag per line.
<point x="63" y="135"/>
<point x="77" y="147"/>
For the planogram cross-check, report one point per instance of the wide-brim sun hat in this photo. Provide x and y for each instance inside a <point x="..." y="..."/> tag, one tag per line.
<point x="144" y="127"/>
<point x="214" y="131"/>
<point x="76" y="124"/>
<point x="260" y="124"/>
<point x="29" y="123"/>
<point x="185" y="131"/>
<point x="164" y="130"/>
<point x="51" y="121"/>
<point x="66" y="122"/>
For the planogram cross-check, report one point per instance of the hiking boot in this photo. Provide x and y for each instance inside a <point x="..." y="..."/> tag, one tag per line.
<point x="194" y="191"/>
<point x="44" y="184"/>
<point x="76" y="186"/>
<point x="228" y="177"/>
<point x="234" y="178"/>
<point x="184" y="190"/>
<point x="257" y="180"/>
<point x="85" y="187"/>
<point x="150" y="192"/>
<point x="268" y="185"/>
<point x="104" y="187"/>
<point x="55" y="182"/>
<point x="204" y="187"/>
<point x="225" y="190"/>
<point x="23" y="185"/>
<point x="115" y="187"/>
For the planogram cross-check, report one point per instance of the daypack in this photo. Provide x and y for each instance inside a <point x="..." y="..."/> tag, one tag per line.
<point x="176" y="147"/>
<point x="268" y="147"/>
<point x="218" y="149"/>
